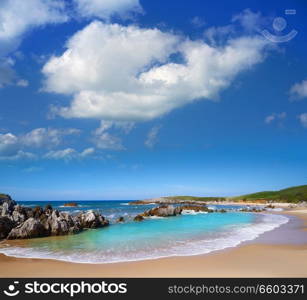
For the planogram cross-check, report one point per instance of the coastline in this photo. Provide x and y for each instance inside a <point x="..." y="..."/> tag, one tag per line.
<point x="254" y="259"/>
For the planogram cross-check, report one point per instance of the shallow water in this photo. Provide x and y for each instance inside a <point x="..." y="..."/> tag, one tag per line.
<point x="188" y="234"/>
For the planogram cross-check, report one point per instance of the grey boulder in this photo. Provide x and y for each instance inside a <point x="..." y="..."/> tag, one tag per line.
<point x="91" y="219"/>
<point x="31" y="228"/>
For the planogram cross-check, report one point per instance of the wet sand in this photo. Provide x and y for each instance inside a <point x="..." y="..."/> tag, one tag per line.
<point x="249" y="260"/>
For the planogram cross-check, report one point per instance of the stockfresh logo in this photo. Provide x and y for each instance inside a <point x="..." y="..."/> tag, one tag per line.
<point x="70" y="289"/>
<point x="12" y="290"/>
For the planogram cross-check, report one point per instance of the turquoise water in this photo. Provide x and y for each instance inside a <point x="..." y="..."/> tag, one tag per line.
<point x="157" y="237"/>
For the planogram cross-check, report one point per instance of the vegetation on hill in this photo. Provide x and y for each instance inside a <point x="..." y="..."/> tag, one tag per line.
<point x="293" y="194"/>
<point x="192" y="198"/>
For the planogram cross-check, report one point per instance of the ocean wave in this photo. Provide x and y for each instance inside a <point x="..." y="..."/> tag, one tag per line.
<point x="274" y="209"/>
<point x="192" y="212"/>
<point x="233" y="236"/>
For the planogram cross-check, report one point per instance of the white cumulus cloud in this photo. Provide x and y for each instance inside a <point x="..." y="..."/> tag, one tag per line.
<point x="18" y="17"/>
<point x="105" y="9"/>
<point x="125" y="73"/>
<point x="13" y="146"/>
<point x="303" y="119"/>
<point x="152" y="136"/>
<point x="275" y="117"/>
<point x="69" y="154"/>
<point x="299" y="90"/>
<point x="40" y="137"/>
<point x="103" y="139"/>
<point x="8" y="144"/>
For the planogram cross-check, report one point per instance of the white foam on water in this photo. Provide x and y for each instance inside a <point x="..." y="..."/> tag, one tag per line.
<point x="232" y="236"/>
<point x="192" y="212"/>
<point x="274" y="209"/>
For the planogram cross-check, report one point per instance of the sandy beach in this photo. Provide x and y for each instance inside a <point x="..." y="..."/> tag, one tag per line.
<point x="248" y="260"/>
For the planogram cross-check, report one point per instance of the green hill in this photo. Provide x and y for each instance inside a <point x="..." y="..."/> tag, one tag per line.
<point x="192" y="198"/>
<point x="293" y="194"/>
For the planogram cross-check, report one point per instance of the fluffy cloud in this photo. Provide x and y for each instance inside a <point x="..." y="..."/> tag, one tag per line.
<point x="12" y="146"/>
<point x="105" y="9"/>
<point x="16" y="18"/>
<point x="251" y="21"/>
<point x="124" y="73"/>
<point x="275" y="117"/>
<point x="8" y="144"/>
<point x="69" y="154"/>
<point x="299" y="90"/>
<point x="303" y="119"/>
<point x="19" y="155"/>
<point x="7" y="73"/>
<point x="198" y="22"/>
<point x="152" y="137"/>
<point x="47" y="137"/>
<point x="103" y="139"/>
<point x="22" y="83"/>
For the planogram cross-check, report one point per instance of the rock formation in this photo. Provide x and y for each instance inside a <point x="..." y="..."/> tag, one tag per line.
<point x="71" y="204"/>
<point x="19" y="222"/>
<point x="197" y="208"/>
<point x="120" y="220"/>
<point x="160" y="211"/>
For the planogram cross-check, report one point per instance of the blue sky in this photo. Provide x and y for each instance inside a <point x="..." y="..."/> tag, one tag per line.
<point x="133" y="99"/>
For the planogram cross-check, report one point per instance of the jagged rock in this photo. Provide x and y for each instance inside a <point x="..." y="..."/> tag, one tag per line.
<point x="255" y="210"/>
<point x="91" y="219"/>
<point x="18" y="222"/>
<point x="270" y="206"/>
<point x="6" y="225"/>
<point x="48" y="209"/>
<point x="10" y="203"/>
<point x="5" y="209"/>
<point x="120" y="220"/>
<point x="59" y="223"/>
<point x="19" y="214"/>
<point x="31" y="228"/>
<point x="138" y="218"/>
<point x="163" y="211"/>
<point x="37" y="212"/>
<point x="197" y="208"/>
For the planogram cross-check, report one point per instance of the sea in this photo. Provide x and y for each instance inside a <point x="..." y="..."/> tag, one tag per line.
<point x="184" y="235"/>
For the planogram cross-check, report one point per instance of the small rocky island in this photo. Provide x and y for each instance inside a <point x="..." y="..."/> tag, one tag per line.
<point x="71" y="204"/>
<point x="171" y="210"/>
<point x="20" y="222"/>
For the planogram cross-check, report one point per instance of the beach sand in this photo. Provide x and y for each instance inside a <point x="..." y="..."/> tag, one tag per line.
<point x="249" y="260"/>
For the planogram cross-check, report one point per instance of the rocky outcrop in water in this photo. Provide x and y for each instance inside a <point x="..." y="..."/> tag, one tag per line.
<point x="91" y="219"/>
<point x="19" y="222"/>
<point x="163" y="211"/>
<point x="120" y="220"/>
<point x="71" y="204"/>
<point x="138" y="218"/>
<point x="31" y="228"/>
<point x="160" y="211"/>
<point x="197" y="208"/>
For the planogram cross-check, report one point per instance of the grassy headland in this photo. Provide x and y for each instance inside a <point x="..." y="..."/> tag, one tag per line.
<point x="294" y="194"/>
